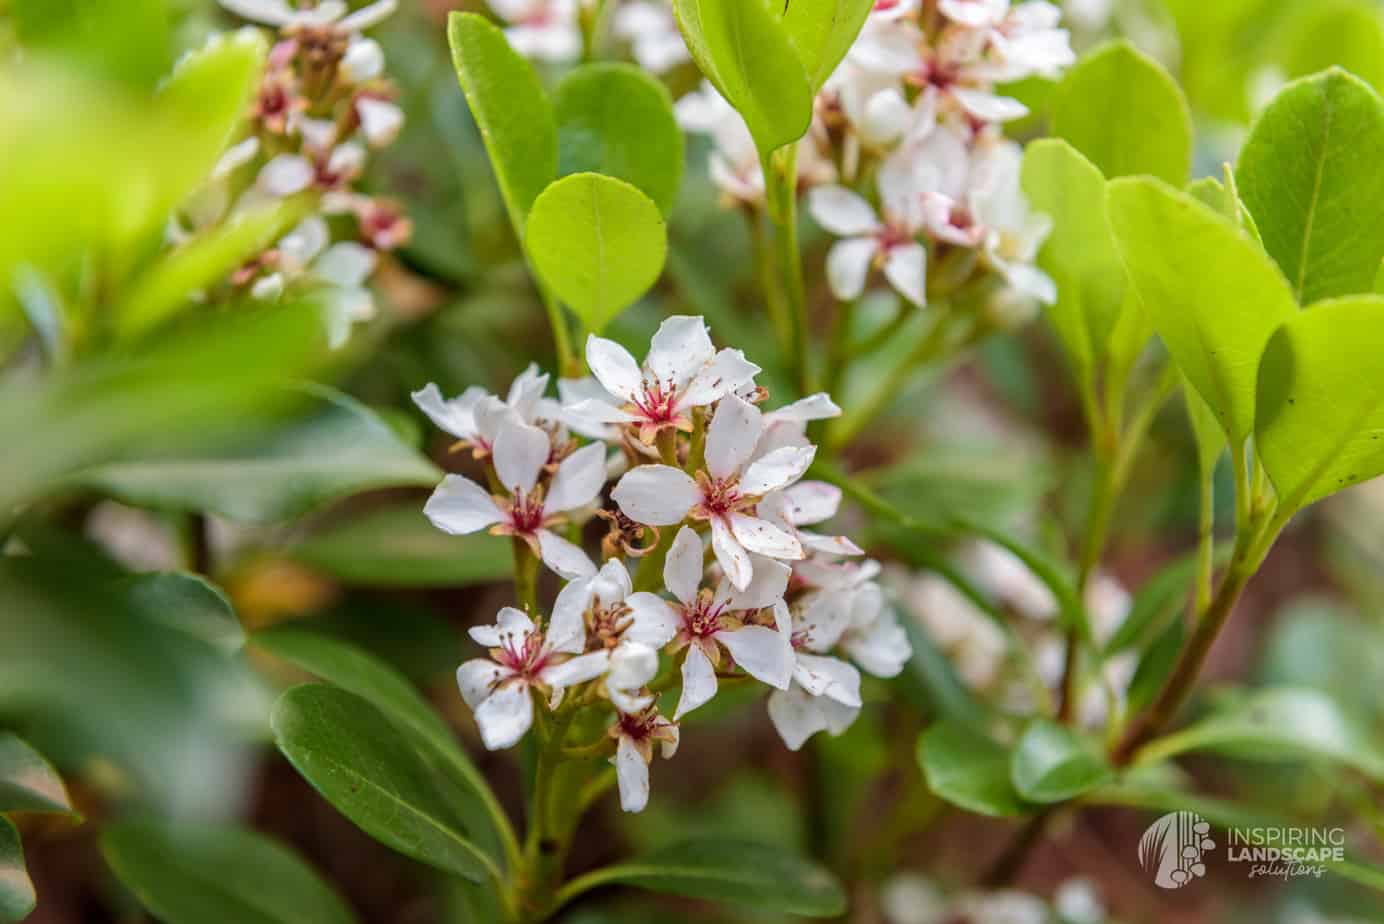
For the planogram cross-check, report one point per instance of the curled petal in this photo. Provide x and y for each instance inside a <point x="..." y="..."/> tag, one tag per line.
<point x="478" y="677"/>
<point x="831" y="677"/>
<point x="632" y="774"/>
<point x="564" y="558"/>
<point x="813" y="407"/>
<point x="764" y="538"/>
<point x="722" y="375"/>
<point x="765" y="654"/>
<point x="731" y="555"/>
<point x="797" y="716"/>
<point x="777" y="470"/>
<point x="567" y="628"/>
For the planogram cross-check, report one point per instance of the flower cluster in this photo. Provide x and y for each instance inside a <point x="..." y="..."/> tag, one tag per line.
<point x="731" y="586"/>
<point x="551" y="30"/>
<point x="321" y="106"/>
<point x="985" y="655"/>
<point x="912" y="899"/>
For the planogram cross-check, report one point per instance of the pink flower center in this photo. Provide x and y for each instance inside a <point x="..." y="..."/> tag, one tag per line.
<point x="527" y="658"/>
<point x="720" y="496"/>
<point x="658" y="402"/>
<point x="639" y="727"/>
<point x="703" y="618"/>
<point x="526" y="513"/>
<point x="893" y="235"/>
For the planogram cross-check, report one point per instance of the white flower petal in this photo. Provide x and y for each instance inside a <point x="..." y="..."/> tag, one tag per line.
<point x="286" y="175"/>
<point x="765" y="654"/>
<point x="505" y="716"/>
<point x="460" y="506"/>
<point x="795" y="716"/>
<point x="366" y="17"/>
<point x="766" y="587"/>
<point x="520" y="453"/>
<point x="679" y="348"/>
<point x="989" y="107"/>
<point x="346" y="264"/>
<point x="824" y="616"/>
<point x="882" y="649"/>
<point x="612" y="583"/>
<point x="380" y="121"/>
<point x="576" y="670"/>
<point x="813" y="407"/>
<point x="567" y="628"/>
<point x="632" y="774"/>
<point x="656" y="495"/>
<point x="732" y="435"/>
<point x="811" y="502"/>
<point x="906" y="269"/>
<point x="777" y="470"/>
<point x="564" y="558"/>
<point x="764" y="538"/>
<point x="364" y="60"/>
<point x="848" y="264"/>
<point x="726" y="372"/>
<point x="832" y="677"/>
<point x="682" y="569"/>
<point x="579" y="479"/>
<point x="236" y="157"/>
<point x="268" y="12"/>
<point x="632" y="665"/>
<point x="731" y="555"/>
<point x="842" y="212"/>
<point x="828" y="545"/>
<point x="456" y="416"/>
<point x="596" y="411"/>
<point x="698" y="682"/>
<point x="652" y="620"/>
<point x="477" y="677"/>
<point x="614" y="368"/>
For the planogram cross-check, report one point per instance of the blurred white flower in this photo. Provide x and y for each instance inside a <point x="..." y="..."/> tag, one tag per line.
<point x="652" y="31"/>
<point x="889" y="242"/>
<point x="636" y="733"/>
<point x="329" y="13"/>
<point x="547" y="30"/>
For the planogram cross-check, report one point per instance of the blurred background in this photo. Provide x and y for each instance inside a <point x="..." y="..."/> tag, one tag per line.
<point x="146" y="713"/>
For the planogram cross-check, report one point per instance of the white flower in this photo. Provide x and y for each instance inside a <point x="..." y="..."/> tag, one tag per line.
<point x="711" y="620"/>
<point x="961" y="630"/>
<point x="825" y="695"/>
<point x="364" y="60"/>
<point x="544" y="29"/>
<point x="475" y="416"/>
<point x="1014" y="233"/>
<point x="628" y="623"/>
<point x="520" y="454"/>
<point x="889" y="242"/>
<point x="653" y="32"/>
<point x="380" y="120"/>
<point x="1004" y="577"/>
<point x="523" y="659"/>
<point x="280" y="14"/>
<point x="635" y="734"/>
<point x="724" y="493"/>
<point x="873" y="638"/>
<point x="682" y="371"/>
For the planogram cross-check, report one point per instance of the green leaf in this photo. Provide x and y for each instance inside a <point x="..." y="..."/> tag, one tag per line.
<point x="746" y="52"/>
<point x="1156" y="664"/>
<point x="969" y="770"/>
<point x="1283" y="724"/>
<point x="599" y="243"/>
<point x="1206" y="430"/>
<point x="187" y="603"/>
<point x="1163" y="788"/>
<point x="206" y="260"/>
<point x="615" y="119"/>
<point x="27" y="782"/>
<point x="822" y="32"/>
<point x="346" y="666"/>
<point x="1213" y="296"/>
<point x="1080" y="253"/>
<point x="17" y="897"/>
<point x="397" y="547"/>
<point x="1052" y="763"/>
<point x="127" y="41"/>
<point x="1121" y="109"/>
<point x="1321" y="401"/>
<point x="1308" y="178"/>
<point x="1157" y="598"/>
<point x="360" y="762"/>
<point x="199" y="874"/>
<point x="510" y="108"/>
<point x="277" y="469"/>
<point x="1327" y="33"/>
<point x="734" y="873"/>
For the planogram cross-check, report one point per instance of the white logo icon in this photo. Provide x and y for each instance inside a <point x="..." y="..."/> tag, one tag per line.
<point x="1172" y="849"/>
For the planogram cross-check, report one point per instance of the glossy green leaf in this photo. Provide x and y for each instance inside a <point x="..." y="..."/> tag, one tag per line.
<point x="1321" y="400"/>
<point x="278" y="468"/>
<point x="199" y="874"/>
<point x="1283" y="724"/>
<point x="822" y="32"/>
<point x="734" y="873"/>
<point x="1213" y="296"/>
<point x="969" y="770"/>
<point x="127" y="41"/>
<point x="1052" y="763"/>
<point x="187" y="603"/>
<point x="28" y="783"/>
<point x="368" y="769"/>
<point x="743" y="48"/>
<point x="615" y="119"/>
<point x="509" y="106"/>
<point x="352" y="669"/>
<point x="599" y="243"/>
<point x="1126" y="114"/>
<point x="1080" y="252"/>
<point x="1308" y="177"/>
<point x="397" y="547"/>
<point x="17" y="897"/>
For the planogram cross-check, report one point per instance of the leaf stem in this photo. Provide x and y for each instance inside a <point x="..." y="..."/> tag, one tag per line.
<point x="768" y="279"/>
<point x="781" y="184"/>
<point x="525" y="576"/>
<point x="567" y="361"/>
